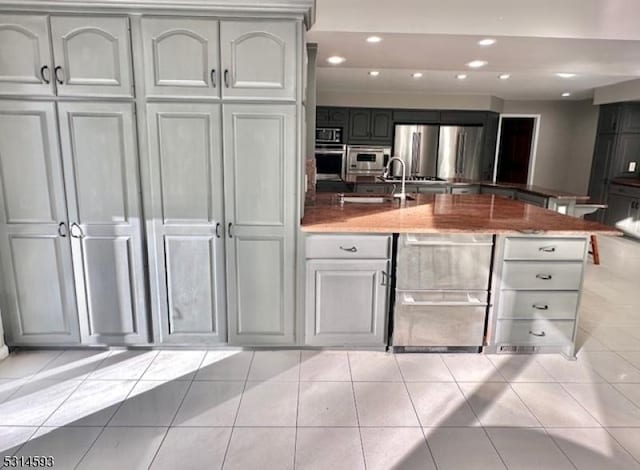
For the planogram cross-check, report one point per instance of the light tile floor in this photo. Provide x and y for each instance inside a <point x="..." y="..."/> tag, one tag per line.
<point x="342" y="410"/>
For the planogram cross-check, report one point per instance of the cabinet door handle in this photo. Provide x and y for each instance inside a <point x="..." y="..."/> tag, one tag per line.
<point x="547" y="249"/>
<point x="544" y="277"/>
<point x="45" y="78"/>
<point x="218" y="230"/>
<point x="540" y="335"/>
<point x="385" y="278"/>
<point x="57" y="73"/>
<point x="229" y="230"/>
<point x="62" y="229"/>
<point x="76" y="231"/>
<point x="226" y="78"/>
<point x="540" y="306"/>
<point x="213" y="78"/>
<point x="351" y="249"/>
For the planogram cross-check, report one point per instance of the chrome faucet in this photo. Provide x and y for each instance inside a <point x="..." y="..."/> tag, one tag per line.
<point x="402" y="195"/>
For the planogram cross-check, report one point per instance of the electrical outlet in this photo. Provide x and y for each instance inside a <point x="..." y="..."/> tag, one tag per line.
<point x="632" y="167"/>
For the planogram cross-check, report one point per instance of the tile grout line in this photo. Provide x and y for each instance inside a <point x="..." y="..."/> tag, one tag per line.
<point x="424" y="436"/>
<point x="195" y="373"/>
<point x="114" y="413"/>
<point x="355" y="404"/>
<point x="486" y="433"/>
<point x="235" y="419"/>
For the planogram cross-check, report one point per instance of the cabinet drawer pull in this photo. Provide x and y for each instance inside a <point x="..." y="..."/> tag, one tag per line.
<point x="544" y="277"/>
<point x="62" y="229"/>
<point x="540" y="335"/>
<point x="547" y="249"/>
<point x="540" y="307"/>
<point x="76" y="231"/>
<point x="57" y="73"/>
<point x="351" y="249"/>
<point x="385" y="278"/>
<point x="218" y="230"/>
<point x="43" y="76"/>
<point x="226" y="78"/>
<point x="229" y="230"/>
<point x="213" y="78"/>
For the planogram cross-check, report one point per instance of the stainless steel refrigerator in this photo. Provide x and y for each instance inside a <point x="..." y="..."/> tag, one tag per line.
<point x="438" y="151"/>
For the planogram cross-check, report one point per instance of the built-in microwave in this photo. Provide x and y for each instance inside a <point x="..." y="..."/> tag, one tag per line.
<point x="328" y="135"/>
<point x="367" y="160"/>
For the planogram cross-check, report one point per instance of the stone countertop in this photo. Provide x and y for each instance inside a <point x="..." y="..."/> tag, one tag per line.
<point x="634" y="182"/>
<point x="546" y="192"/>
<point x="442" y="213"/>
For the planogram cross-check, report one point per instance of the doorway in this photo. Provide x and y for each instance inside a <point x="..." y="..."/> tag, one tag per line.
<point x="517" y="138"/>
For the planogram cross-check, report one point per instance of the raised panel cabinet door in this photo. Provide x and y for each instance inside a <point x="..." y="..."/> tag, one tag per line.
<point x="259" y="59"/>
<point x="602" y="156"/>
<point x="359" y="125"/>
<point x="38" y="302"/>
<point x="25" y="57"/>
<point x="187" y="233"/>
<point x="619" y="210"/>
<point x="260" y="195"/>
<point x="381" y="125"/>
<point x="346" y="302"/>
<point x="609" y="118"/>
<point x="627" y="160"/>
<point x="631" y="117"/>
<point x="181" y="57"/>
<point x="92" y="55"/>
<point x="99" y="152"/>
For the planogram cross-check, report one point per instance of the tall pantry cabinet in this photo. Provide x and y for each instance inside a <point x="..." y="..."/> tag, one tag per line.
<point x="149" y="175"/>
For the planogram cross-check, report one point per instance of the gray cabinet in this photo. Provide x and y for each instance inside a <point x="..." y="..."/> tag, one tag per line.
<point x="99" y="151"/>
<point x="25" y="60"/>
<point x="181" y="57"/>
<point x="624" y="209"/>
<point x="258" y="59"/>
<point x="92" y="55"/>
<point x="627" y="159"/>
<point x="599" y="180"/>
<point x="347" y="290"/>
<point x="370" y="126"/>
<point x="332" y="117"/>
<point x="259" y="175"/>
<point x="38" y="296"/>
<point x="346" y="302"/>
<point x="609" y="119"/>
<point x="359" y="125"/>
<point x="185" y="161"/>
<point x="533" y="199"/>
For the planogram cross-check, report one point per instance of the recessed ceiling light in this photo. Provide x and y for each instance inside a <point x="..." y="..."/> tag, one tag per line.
<point x="487" y="42"/>
<point x="565" y="75"/>
<point x="565" y="94"/>
<point x="476" y="64"/>
<point x="504" y="76"/>
<point x="461" y="76"/>
<point x="374" y="39"/>
<point x="335" y="59"/>
<point x="374" y="73"/>
<point x="417" y="75"/>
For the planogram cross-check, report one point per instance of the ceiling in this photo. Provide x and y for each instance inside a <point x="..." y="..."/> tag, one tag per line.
<point x="597" y="40"/>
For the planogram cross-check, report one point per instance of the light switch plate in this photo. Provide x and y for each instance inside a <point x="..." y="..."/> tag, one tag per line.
<point x="632" y="166"/>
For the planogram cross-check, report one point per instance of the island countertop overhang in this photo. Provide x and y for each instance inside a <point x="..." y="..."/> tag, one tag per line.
<point x="442" y="213"/>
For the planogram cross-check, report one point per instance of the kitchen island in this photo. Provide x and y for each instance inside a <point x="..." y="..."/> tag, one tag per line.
<point x="479" y="272"/>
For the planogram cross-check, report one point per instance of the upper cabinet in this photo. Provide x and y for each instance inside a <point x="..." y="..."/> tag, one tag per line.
<point x="631" y="117"/>
<point x="25" y="60"/>
<point x="370" y="126"/>
<point x="258" y="59"/>
<point x="91" y="56"/>
<point x="181" y="57"/>
<point x="608" y="121"/>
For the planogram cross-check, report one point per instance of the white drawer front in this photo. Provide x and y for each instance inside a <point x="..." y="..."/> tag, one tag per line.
<point x="348" y="246"/>
<point x="540" y="248"/>
<point x="535" y="332"/>
<point x="541" y="276"/>
<point x="538" y="305"/>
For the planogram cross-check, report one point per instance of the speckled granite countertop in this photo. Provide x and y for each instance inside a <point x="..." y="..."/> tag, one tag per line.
<point x="442" y="213"/>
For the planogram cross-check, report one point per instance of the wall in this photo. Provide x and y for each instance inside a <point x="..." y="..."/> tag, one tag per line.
<point x="625" y="91"/>
<point x="565" y="143"/>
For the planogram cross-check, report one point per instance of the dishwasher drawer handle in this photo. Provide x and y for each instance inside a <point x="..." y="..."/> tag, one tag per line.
<point x="351" y="249"/>
<point x="544" y="277"/>
<point x="540" y="335"/>
<point x="547" y="249"/>
<point x="540" y="307"/>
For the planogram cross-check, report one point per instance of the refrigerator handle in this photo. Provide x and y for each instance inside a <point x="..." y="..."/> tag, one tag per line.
<point x="414" y="154"/>
<point x="418" y="140"/>
<point x="462" y="153"/>
<point x="457" y="162"/>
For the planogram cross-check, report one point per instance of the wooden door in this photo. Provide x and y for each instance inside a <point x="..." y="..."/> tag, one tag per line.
<point x="103" y="195"/>
<point x="186" y="239"/>
<point x="38" y="298"/>
<point x="25" y="57"/>
<point x="92" y="55"/>
<point x="346" y="302"/>
<point x="181" y="57"/>
<point x="260" y="169"/>
<point x="259" y="59"/>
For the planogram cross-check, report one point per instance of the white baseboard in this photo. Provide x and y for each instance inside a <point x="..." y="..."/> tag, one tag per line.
<point x="4" y="352"/>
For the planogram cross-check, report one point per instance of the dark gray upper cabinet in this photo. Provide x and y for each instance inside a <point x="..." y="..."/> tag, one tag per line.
<point x="359" y="125"/>
<point x="381" y="125"/>
<point x="608" y="120"/>
<point x="370" y="126"/>
<point x="628" y="153"/>
<point x="463" y="117"/>
<point x="631" y="117"/>
<point x="604" y="149"/>
<point x="332" y="117"/>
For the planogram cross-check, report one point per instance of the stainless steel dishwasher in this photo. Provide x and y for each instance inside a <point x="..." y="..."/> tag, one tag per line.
<point x="442" y="291"/>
